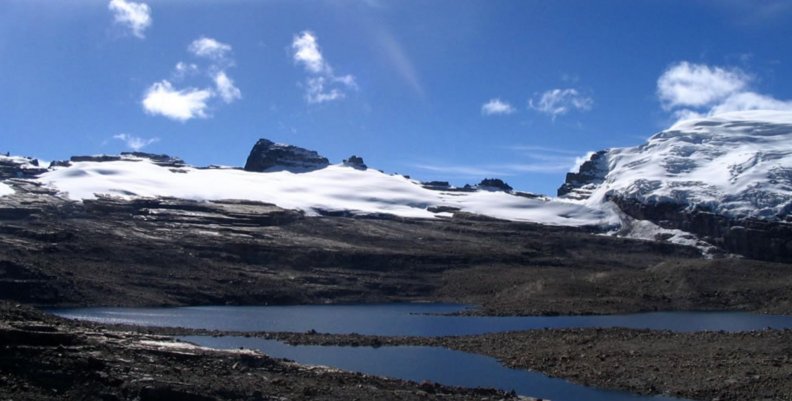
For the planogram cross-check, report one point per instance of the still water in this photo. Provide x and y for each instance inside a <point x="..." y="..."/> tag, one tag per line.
<point x="409" y="319"/>
<point x="436" y="364"/>
<point x="416" y="363"/>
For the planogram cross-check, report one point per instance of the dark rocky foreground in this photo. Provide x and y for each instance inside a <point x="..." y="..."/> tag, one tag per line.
<point x="698" y="366"/>
<point x="45" y="358"/>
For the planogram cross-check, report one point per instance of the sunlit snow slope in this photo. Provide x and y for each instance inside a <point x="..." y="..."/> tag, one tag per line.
<point x="5" y="189"/>
<point x="334" y="188"/>
<point x="736" y="164"/>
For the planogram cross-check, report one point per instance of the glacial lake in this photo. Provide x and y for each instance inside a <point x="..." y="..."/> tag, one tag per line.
<point x="413" y="362"/>
<point x="454" y="368"/>
<point x="409" y="319"/>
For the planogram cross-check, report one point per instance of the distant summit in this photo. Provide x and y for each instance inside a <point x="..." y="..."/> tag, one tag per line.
<point x="494" y="184"/>
<point x="727" y="179"/>
<point x="355" y="162"/>
<point x="267" y="156"/>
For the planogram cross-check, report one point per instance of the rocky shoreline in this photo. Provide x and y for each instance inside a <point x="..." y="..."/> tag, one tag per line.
<point x="47" y="358"/>
<point x="723" y="366"/>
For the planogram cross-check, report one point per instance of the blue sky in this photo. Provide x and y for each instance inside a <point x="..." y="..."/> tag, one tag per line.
<point x="455" y="90"/>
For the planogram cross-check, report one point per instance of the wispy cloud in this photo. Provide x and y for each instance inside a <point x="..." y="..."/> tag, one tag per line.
<point x="399" y="59"/>
<point x="460" y="170"/>
<point x="533" y="159"/>
<point x="496" y="107"/>
<point x="535" y="150"/>
<point x="322" y="84"/>
<point x="496" y="170"/>
<point x="225" y="87"/>
<point x="181" y="105"/>
<point x="557" y="102"/>
<point x="753" y="13"/>
<point x="135" y="143"/>
<point x="182" y="70"/>
<point x="134" y="16"/>
<point x="694" y="90"/>
<point x="209" y="48"/>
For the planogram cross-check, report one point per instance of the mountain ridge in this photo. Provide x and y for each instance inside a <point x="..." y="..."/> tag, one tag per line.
<point x="716" y="182"/>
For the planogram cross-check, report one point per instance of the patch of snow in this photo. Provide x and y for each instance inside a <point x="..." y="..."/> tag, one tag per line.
<point x="5" y="189"/>
<point x="646" y="230"/>
<point x="736" y="164"/>
<point x="334" y="188"/>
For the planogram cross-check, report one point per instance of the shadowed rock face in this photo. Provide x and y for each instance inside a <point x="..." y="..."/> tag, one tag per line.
<point x="750" y="237"/>
<point x="590" y="175"/>
<point x="269" y="156"/>
<point x="494" y="184"/>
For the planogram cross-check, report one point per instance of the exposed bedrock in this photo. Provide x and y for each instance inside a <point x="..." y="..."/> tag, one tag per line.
<point x="269" y="156"/>
<point x="750" y="237"/>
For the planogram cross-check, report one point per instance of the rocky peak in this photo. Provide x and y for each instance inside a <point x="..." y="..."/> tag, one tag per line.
<point x="269" y="156"/>
<point x="355" y="162"/>
<point x="494" y="184"/>
<point x="590" y="174"/>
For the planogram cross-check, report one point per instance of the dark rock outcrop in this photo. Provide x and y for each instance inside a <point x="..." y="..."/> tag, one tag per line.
<point x="355" y="162"/>
<point x="158" y="159"/>
<point x="19" y="168"/>
<point x="436" y="185"/>
<point x="494" y="184"/>
<point x="750" y="237"/>
<point x="95" y="158"/>
<point x="269" y="156"/>
<point x="590" y="174"/>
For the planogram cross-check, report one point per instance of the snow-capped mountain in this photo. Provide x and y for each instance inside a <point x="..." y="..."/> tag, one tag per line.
<point x="298" y="179"/>
<point x="716" y="177"/>
<point x="726" y="179"/>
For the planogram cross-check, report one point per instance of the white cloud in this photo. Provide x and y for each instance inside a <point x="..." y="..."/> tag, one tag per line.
<point x="495" y="107"/>
<point x="209" y="48"/>
<point x="306" y="52"/>
<point x="181" y="105"/>
<point x="699" y="90"/>
<point x="685" y="84"/>
<point x="750" y="101"/>
<point x="225" y="87"/>
<point x="316" y="92"/>
<point x="556" y="102"/>
<point x="135" y="143"/>
<point x="183" y="69"/>
<point x="321" y="85"/>
<point x="135" y="16"/>
<point x="161" y="98"/>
